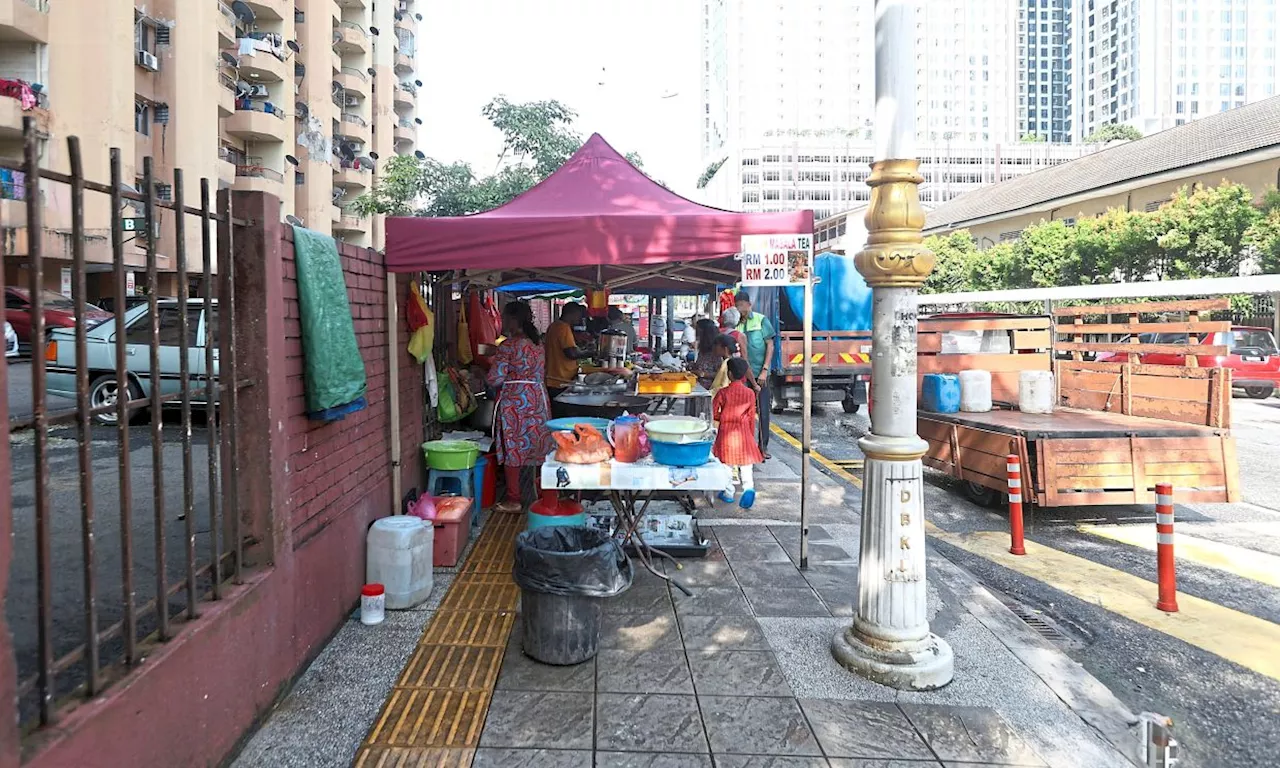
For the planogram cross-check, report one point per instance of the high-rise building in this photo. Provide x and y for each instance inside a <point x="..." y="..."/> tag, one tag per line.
<point x="299" y="98"/>
<point x="789" y="101"/>
<point x="1044" y="76"/>
<point x="1156" y="64"/>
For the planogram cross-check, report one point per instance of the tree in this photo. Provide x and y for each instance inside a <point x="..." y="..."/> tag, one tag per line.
<point x="537" y="138"/>
<point x="1032" y="138"/>
<point x="953" y="254"/>
<point x="710" y="172"/>
<point x="1113" y="132"/>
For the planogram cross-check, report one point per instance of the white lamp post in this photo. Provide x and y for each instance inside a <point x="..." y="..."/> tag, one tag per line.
<point x="889" y="641"/>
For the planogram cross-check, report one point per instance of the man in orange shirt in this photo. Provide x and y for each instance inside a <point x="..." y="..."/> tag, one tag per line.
<point x="562" y="352"/>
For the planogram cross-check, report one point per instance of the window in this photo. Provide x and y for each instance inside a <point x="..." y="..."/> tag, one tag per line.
<point x="142" y="117"/>
<point x="144" y="36"/>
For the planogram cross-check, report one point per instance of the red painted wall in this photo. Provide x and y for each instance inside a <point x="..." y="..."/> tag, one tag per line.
<point x="308" y="493"/>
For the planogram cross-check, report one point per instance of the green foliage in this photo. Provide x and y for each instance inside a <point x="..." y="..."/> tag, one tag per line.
<point x="1113" y="132"/>
<point x="710" y="172"/>
<point x="1208" y="232"/>
<point x="537" y="138"/>
<point x="1032" y="138"/>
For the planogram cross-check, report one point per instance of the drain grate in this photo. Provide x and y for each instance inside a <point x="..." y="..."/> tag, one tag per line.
<point x="1043" y="626"/>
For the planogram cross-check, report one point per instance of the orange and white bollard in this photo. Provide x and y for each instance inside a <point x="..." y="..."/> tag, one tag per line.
<point x="1014" y="468"/>
<point x="1167" y="599"/>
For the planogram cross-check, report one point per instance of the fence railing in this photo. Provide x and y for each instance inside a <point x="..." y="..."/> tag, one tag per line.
<point x="259" y="172"/>
<point x="73" y="641"/>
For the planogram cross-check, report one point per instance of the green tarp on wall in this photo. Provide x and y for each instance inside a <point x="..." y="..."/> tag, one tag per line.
<point x="334" y="370"/>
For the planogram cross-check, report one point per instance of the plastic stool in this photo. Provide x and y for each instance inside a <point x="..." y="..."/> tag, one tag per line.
<point x="459" y="482"/>
<point x="477" y="484"/>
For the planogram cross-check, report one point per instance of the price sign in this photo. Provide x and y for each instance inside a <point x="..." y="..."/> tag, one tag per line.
<point x="776" y="259"/>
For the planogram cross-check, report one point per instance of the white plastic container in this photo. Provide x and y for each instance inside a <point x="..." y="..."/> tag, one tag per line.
<point x="399" y="553"/>
<point x="373" y="604"/>
<point x="1035" y="392"/>
<point x="975" y="391"/>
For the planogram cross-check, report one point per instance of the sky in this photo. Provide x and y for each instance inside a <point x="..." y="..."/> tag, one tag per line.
<point x="609" y="60"/>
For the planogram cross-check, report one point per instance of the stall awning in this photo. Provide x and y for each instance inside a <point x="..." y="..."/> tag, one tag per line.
<point x="596" y="220"/>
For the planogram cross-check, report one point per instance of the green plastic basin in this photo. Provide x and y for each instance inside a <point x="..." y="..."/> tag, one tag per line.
<point x="450" y="454"/>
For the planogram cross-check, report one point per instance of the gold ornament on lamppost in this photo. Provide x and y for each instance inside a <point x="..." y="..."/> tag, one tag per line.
<point x="895" y="256"/>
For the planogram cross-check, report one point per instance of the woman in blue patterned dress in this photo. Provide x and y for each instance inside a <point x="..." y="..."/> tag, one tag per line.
<point x="520" y="419"/>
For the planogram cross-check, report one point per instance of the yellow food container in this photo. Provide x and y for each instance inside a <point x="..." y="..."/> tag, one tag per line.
<point x="666" y="384"/>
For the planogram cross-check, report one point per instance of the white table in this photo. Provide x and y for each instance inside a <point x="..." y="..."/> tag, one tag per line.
<point x="632" y="487"/>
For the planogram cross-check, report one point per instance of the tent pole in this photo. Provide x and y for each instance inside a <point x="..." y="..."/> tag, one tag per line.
<point x="393" y="389"/>
<point x="807" y="423"/>
<point x="671" y="322"/>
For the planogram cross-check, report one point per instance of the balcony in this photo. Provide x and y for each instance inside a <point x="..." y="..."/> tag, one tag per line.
<point x="258" y="126"/>
<point x="348" y="221"/>
<point x="353" y="81"/>
<point x="11" y="112"/>
<point x="263" y="66"/>
<point x="226" y="26"/>
<point x="349" y="38"/>
<point x="353" y="127"/>
<point x="24" y="20"/>
<point x="274" y="10"/>
<point x="407" y="23"/>
<point x="258" y="178"/>
<point x="335" y="214"/>
<point x="226" y="95"/>
<point x="404" y="64"/>
<point x="406" y="132"/>
<point x="406" y="97"/>
<point x="351" y="179"/>
<point x="353" y="3"/>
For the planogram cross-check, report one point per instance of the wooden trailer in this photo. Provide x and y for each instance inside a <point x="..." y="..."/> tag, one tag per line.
<point x="1120" y="425"/>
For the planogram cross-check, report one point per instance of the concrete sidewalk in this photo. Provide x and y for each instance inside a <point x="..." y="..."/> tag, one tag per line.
<point x="739" y="674"/>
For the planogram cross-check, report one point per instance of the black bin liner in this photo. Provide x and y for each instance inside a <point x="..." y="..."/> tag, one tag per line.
<point x="571" y="560"/>
<point x="563" y="571"/>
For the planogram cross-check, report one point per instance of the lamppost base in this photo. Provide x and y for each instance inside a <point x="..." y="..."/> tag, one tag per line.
<point x="920" y="666"/>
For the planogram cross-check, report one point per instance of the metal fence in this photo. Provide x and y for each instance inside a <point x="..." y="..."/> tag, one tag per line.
<point x="71" y="662"/>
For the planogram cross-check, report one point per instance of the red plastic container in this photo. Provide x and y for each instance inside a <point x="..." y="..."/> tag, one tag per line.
<point x="489" y="493"/>
<point x="452" y="527"/>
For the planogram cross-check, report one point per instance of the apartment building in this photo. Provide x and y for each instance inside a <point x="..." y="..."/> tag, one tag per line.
<point x="1044" y="76"/>
<point x="299" y="98"/>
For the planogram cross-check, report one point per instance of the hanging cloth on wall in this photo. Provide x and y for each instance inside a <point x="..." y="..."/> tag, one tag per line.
<point x="333" y="368"/>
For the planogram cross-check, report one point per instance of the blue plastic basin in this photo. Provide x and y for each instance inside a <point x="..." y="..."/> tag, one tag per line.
<point x="681" y="454"/>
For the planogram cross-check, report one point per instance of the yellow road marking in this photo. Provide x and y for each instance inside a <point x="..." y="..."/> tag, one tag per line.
<point x="833" y="467"/>
<point x="1237" y="637"/>
<point x="1246" y="563"/>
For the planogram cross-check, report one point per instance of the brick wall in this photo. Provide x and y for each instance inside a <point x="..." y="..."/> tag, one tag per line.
<point x="334" y="465"/>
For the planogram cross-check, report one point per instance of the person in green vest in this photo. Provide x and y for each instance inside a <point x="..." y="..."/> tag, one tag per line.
<point x="759" y="353"/>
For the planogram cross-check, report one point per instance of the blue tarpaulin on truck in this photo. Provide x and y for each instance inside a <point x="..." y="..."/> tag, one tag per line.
<point x="841" y="298"/>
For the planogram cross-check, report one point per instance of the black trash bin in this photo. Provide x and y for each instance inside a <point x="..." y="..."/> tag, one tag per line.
<point x="563" y="571"/>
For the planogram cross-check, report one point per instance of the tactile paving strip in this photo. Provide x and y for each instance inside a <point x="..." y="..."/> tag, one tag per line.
<point x="435" y="713"/>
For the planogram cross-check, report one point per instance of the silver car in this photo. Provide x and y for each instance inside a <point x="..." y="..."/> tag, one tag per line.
<point x="104" y="389"/>
<point x="10" y="340"/>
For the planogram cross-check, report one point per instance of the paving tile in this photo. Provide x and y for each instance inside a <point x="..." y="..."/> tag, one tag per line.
<point x="970" y="734"/>
<point x="769" y="761"/>
<point x="651" y="760"/>
<point x="832" y="575"/>
<point x="785" y="533"/>
<point x="648" y="599"/>
<point x="722" y="633"/>
<point x="827" y="553"/>
<point x="527" y="719"/>
<point x="844" y="762"/>
<point x="756" y="552"/>
<point x="712" y="601"/>
<point x="638" y="632"/>
<point x="531" y="758"/>
<point x="864" y="729"/>
<point x="738" y="673"/>
<point x="839" y="600"/>
<point x="756" y="726"/>
<point x="785" y="601"/>
<point x="711" y="573"/>
<point x="379" y="757"/>
<point x="521" y="673"/>
<point x="658" y="671"/>
<point x="644" y="722"/>
<point x="768" y="575"/>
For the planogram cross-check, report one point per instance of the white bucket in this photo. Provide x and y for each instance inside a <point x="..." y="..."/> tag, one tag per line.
<point x="975" y="391"/>
<point x="1036" y="392"/>
<point x="399" y="553"/>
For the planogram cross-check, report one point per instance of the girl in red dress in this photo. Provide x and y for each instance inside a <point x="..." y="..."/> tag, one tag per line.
<point x="735" y="408"/>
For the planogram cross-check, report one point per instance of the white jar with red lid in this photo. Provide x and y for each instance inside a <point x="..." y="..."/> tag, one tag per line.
<point x="373" y="604"/>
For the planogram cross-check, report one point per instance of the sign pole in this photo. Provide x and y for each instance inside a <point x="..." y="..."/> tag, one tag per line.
<point x="807" y="423"/>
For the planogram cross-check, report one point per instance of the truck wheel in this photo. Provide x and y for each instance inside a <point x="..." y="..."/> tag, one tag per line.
<point x="980" y="494"/>
<point x="1259" y="393"/>
<point x="849" y="405"/>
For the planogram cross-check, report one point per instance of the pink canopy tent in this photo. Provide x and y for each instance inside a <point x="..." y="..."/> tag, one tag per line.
<point x="596" y="221"/>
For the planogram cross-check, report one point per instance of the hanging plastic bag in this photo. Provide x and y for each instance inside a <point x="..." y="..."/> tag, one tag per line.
<point x="464" y="335"/>
<point x="483" y="330"/>
<point x="422" y="325"/>
<point x="448" y="408"/>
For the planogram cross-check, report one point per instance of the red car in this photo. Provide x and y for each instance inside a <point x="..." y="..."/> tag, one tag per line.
<point x="59" y="312"/>
<point x="1251" y="355"/>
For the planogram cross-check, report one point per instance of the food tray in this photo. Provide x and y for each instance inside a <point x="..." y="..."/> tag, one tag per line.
<point x="666" y="384"/>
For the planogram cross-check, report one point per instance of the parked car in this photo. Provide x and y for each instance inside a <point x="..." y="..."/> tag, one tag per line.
<point x="108" y="303"/>
<point x="104" y="389"/>
<point x="1252" y="356"/>
<point x="10" y="340"/>
<point x="59" y="312"/>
